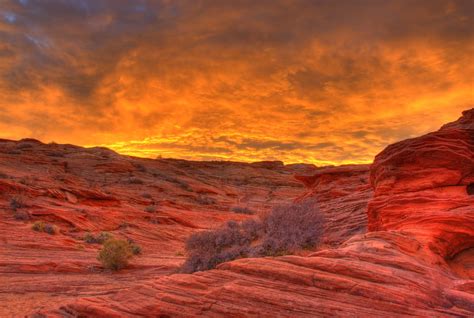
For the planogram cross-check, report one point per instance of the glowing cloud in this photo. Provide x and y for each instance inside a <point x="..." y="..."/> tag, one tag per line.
<point x="327" y="82"/>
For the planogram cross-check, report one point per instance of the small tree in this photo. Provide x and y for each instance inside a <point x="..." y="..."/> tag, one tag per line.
<point x="115" y="254"/>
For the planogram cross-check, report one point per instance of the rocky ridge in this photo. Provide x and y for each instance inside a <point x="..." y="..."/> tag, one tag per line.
<point x="415" y="259"/>
<point x="398" y="237"/>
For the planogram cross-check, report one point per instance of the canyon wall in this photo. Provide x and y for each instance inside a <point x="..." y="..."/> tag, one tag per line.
<point x="415" y="259"/>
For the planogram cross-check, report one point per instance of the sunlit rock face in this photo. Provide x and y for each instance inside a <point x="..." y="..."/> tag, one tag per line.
<point x="342" y="194"/>
<point x="423" y="186"/>
<point x="93" y="190"/>
<point x="415" y="259"/>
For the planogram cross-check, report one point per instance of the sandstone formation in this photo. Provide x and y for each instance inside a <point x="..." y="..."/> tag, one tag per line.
<point x="93" y="190"/>
<point x="398" y="239"/>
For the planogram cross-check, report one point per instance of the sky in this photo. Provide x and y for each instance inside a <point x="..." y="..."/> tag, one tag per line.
<point x="320" y="81"/>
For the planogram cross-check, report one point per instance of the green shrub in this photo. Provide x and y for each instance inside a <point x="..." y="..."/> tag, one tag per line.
<point x="115" y="254"/>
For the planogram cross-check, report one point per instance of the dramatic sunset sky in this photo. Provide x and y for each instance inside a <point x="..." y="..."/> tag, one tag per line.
<point x="326" y="82"/>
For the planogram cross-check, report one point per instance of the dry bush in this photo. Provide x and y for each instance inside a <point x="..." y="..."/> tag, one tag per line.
<point x="150" y="209"/>
<point x="115" y="254"/>
<point x="50" y="229"/>
<point x="205" y="200"/>
<point x="135" y="248"/>
<point x="147" y="195"/>
<point x="21" y="215"/>
<point x="17" y="202"/>
<point x="282" y="231"/>
<point x="470" y="189"/>
<point x="135" y="180"/>
<point x="288" y="228"/>
<point x="24" y="145"/>
<point x="207" y="249"/>
<point x="242" y="210"/>
<point x="99" y="239"/>
<point x="140" y="167"/>
<point x="40" y="226"/>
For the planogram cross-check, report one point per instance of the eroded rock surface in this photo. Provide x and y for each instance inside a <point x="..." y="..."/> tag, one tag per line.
<point x="93" y="190"/>
<point x="415" y="259"/>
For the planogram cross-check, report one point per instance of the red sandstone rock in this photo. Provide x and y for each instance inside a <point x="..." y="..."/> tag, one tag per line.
<point x="416" y="259"/>
<point x="81" y="190"/>
<point x="421" y="188"/>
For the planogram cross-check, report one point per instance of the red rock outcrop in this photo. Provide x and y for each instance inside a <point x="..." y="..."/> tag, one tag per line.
<point x="420" y="216"/>
<point x="92" y="190"/>
<point x="342" y="194"/>
<point x="421" y="188"/>
<point x="415" y="260"/>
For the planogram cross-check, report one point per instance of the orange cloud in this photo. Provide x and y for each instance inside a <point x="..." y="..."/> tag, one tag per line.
<point x="299" y="81"/>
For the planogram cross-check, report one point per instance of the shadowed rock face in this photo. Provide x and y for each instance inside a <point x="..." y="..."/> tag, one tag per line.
<point x="416" y="259"/>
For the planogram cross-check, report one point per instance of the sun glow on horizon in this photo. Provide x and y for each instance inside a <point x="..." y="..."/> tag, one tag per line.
<point x="318" y="82"/>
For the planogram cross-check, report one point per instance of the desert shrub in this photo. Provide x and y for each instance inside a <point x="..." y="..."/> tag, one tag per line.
<point x="470" y="189"/>
<point x="288" y="228"/>
<point x="123" y="226"/>
<point x="207" y="249"/>
<point x="134" y="180"/>
<point x="204" y="200"/>
<point x="242" y="210"/>
<point x="99" y="239"/>
<point x="103" y="236"/>
<point x="28" y="181"/>
<point x="115" y="254"/>
<point x="140" y="167"/>
<point x="24" y="146"/>
<point x="17" y="202"/>
<point x="58" y="154"/>
<point x="184" y="185"/>
<point x="21" y="215"/>
<point x="252" y="228"/>
<point x="89" y="238"/>
<point x="151" y="208"/>
<point x="40" y="226"/>
<point x="50" y="229"/>
<point x="282" y="231"/>
<point x="136" y="249"/>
